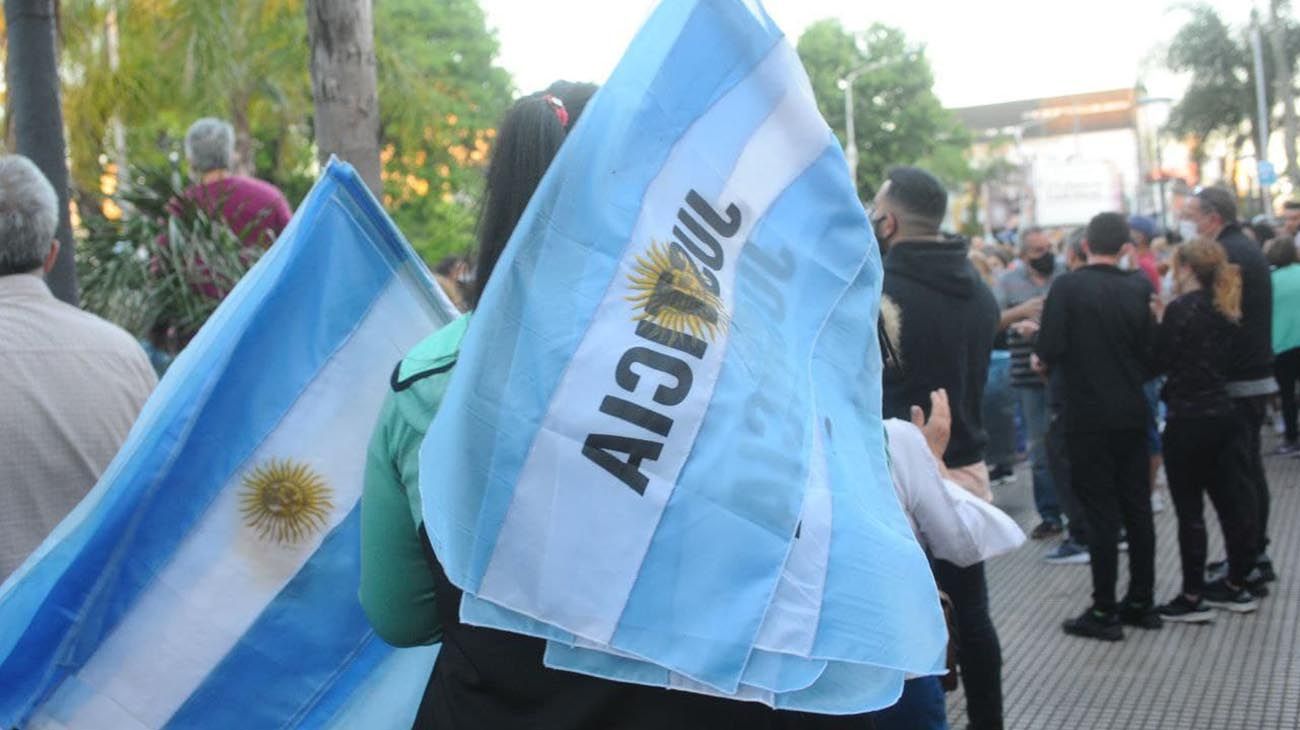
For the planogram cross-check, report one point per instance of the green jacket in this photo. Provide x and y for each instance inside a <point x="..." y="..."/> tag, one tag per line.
<point x="397" y="591"/>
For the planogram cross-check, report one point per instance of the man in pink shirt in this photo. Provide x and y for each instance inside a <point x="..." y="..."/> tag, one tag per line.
<point x="255" y="210"/>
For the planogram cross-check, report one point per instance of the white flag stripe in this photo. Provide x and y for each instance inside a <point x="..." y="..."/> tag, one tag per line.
<point x="576" y="588"/>
<point x="198" y="607"/>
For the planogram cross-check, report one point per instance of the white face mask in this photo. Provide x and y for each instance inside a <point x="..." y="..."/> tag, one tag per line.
<point x="1187" y="230"/>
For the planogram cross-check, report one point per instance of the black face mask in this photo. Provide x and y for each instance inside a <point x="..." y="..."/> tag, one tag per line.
<point x="1044" y="264"/>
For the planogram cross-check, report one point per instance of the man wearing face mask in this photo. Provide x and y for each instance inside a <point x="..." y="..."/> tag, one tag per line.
<point x="1212" y="213"/>
<point x="1020" y="293"/>
<point x="949" y="317"/>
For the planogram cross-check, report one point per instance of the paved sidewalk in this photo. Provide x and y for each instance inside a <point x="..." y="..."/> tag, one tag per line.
<point x="1239" y="673"/>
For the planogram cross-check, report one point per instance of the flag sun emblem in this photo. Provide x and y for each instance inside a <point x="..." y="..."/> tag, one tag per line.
<point x="667" y="290"/>
<point x="285" y="501"/>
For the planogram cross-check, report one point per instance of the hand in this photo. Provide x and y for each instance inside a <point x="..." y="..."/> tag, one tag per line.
<point x="1026" y="328"/>
<point x="938" y="430"/>
<point x="1037" y="365"/>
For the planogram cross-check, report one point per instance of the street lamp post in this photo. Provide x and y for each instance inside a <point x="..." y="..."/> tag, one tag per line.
<point x="1261" y="126"/>
<point x="850" y="132"/>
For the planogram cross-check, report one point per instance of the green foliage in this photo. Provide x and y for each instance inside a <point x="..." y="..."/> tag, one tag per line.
<point x="161" y="269"/>
<point x="898" y="119"/>
<point x="1220" y="97"/>
<point x="440" y="97"/>
<point x="242" y="60"/>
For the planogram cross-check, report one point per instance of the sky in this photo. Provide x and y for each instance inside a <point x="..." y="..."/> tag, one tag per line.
<point x="981" y="52"/>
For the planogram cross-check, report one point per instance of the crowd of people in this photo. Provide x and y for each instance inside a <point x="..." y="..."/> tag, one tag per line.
<point x="1108" y="355"/>
<point x="1236" y="365"/>
<point x="1120" y="351"/>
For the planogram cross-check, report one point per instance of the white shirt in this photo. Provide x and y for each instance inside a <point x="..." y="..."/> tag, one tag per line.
<point x="71" y="385"/>
<point x="950" y="522"/>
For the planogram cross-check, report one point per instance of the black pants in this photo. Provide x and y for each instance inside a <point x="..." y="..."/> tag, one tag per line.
<point x="1058" y="459"/>
<point x="1287" y="369"/>
<point x="1251" y="412"/>
<point x="979" y="652"/>
<point x="1109" y="473"/>
<point x="1204" y="456"/>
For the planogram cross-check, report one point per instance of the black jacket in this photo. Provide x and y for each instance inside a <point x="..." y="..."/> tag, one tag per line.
<point x="1098" y="331"/>
<point x="1252" y="346"/>
<point x="950" y="319"/>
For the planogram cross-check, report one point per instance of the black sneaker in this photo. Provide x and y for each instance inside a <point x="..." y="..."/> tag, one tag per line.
<point x="1221" y="594"/>
<point x="1265" y="568"/>
<point x="1094" y="624"/>
<point x="1141" y="615"/>
<point x="1045" y="530"/>
<point x="1257" y="582"/>
<point x="1183" y="610"/>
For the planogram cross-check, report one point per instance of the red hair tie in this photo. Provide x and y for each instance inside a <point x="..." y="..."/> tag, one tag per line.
<point x="557" y="106"/>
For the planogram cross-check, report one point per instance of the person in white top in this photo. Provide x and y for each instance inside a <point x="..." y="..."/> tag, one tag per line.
<point x="71" y="384"/>
<point x="950" y="523"/>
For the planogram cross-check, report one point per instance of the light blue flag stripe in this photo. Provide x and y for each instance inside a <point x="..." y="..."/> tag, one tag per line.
<point x="304" y="656"/>
<point x="882" y="610"/>
<point x="867" y="519"/>
<point x="58" y="608"/>
<point x="687" y="56"/>
<point x="390" y="695"/>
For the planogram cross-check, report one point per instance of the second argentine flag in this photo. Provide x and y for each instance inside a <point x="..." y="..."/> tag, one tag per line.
<point x="662" y="447"/>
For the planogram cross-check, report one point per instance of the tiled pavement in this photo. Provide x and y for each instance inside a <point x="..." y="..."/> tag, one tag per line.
<point x="1239" y="673"/>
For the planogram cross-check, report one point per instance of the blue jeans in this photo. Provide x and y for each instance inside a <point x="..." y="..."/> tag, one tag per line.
<point x="999" y="411"/>
<point x="920" y="708"/>
<point x="1033" y="406"/>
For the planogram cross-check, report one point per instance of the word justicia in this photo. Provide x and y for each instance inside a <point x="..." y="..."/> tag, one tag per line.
<point x="675" y="294"/>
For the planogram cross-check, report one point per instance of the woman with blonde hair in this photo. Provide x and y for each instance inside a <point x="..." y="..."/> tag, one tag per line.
<point x="1205" y="441"/>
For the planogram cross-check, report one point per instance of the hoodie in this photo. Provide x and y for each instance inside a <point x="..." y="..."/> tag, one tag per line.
<point x="949" y="321"/>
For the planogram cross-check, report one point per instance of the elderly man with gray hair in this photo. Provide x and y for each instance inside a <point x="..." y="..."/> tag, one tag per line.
<point x="71" y="384"/>
<point x="255" y="210"/>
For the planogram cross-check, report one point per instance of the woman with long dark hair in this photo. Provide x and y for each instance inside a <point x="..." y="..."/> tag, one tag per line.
<point x="485" y="678"/>
<point x="1205" y="441"/>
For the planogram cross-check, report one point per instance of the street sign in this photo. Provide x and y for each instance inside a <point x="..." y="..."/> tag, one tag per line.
<point x="1267" y="173"/>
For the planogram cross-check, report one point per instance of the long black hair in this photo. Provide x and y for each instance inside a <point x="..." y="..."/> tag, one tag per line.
<point x="527" y="140"/>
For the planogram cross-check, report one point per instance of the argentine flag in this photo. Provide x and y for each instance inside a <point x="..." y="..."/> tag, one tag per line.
<point x="209" y="580"/>
<point x="662" y="448"/>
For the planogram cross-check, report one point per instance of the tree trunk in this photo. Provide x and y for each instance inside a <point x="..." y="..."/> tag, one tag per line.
<point x="1282" y="82"/>
<point x="33" y="78"/>
<point x="343" y="84"/>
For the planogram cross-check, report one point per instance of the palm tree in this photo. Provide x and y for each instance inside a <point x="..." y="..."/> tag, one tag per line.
<point x="32" y="75"/>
